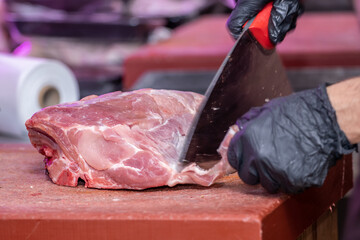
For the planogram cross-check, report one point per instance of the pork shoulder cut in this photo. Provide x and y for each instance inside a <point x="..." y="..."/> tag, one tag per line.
<point x="122" y="140"/>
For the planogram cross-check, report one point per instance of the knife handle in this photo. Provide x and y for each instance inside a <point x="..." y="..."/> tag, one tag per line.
<point x="259" y="27"/>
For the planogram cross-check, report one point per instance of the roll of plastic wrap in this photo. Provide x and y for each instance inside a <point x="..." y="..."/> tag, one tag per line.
<point x="28" y="85"/>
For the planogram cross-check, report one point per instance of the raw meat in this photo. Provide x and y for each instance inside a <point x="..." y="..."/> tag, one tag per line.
<point x="129" y="140"/>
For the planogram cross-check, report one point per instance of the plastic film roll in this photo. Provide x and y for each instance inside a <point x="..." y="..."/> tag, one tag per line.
<point x="28" y="85"/>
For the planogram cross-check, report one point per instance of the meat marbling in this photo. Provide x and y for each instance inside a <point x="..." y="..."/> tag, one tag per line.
<point x="122" y="140"/>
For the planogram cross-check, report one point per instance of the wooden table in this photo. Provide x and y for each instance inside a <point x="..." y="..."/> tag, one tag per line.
<point x="32" y="207"/>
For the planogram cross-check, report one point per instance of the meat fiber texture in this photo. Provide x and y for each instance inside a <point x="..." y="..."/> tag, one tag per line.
<point x="122" y="140"/>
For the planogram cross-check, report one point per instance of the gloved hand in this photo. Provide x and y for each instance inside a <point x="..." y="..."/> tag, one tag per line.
<point x="282" y="19"/>
<point x="290" y="143"/>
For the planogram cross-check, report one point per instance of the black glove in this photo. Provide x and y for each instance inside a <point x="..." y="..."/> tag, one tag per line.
<point x="282" y="19"/>
<point x="290" y="143"/>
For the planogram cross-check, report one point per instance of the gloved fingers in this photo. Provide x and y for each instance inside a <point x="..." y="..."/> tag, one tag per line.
<point x="234" y="152"/>
<point x="251" y="114"/>
<point x="283" y="18"/>
<point x="289" y="143"/>
<point x="235" y="149"/>
<point x="243" y="11"/>
<point x="236" y="21"/>
<point x="248" y="173"/>
<point x="268" y="182"/>
<point x="246" y="170"/>
<point x="241" y="157"/>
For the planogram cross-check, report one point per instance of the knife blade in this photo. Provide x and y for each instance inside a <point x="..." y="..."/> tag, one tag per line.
<point x="250" y="75"/>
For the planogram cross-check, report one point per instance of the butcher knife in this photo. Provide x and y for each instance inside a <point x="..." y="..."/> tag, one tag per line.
<point x="251" y="74"/>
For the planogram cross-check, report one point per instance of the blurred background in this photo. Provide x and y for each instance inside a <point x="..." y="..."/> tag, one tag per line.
<point x="101" y="46"/>
<point x="94" y="38"/>
<point x="112" y="45"/>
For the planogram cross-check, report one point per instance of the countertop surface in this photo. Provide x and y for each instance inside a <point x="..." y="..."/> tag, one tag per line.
<point x="27" y="194"/>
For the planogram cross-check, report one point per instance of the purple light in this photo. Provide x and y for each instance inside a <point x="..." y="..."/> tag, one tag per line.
<point x="23" y="49"/>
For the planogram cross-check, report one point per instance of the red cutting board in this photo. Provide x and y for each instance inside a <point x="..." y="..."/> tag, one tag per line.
<point x="32" y="207"/>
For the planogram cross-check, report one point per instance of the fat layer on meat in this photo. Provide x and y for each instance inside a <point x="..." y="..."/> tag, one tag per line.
<point x="122" y="140"/>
